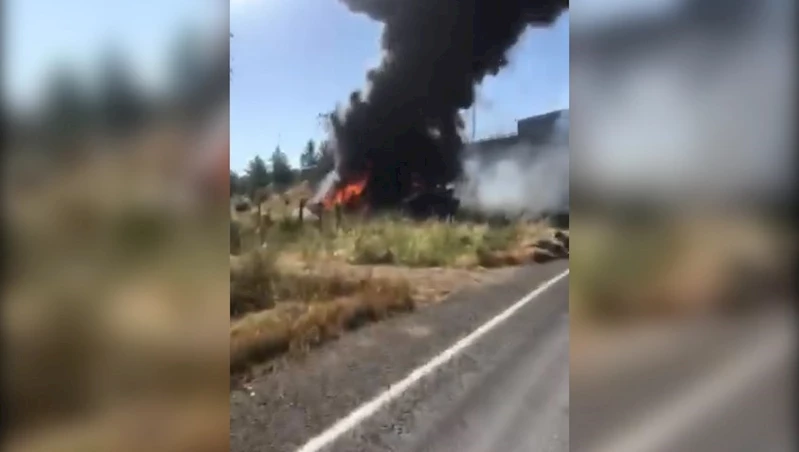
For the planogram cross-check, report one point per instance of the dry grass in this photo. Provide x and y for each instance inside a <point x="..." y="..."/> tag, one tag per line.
<point x="258" y="283"/>
<point x="682" y="268"/>
<point x="298" y="326"/>
<point x="397" y="241"/>
<point x="277" y="310"/>
<point x="281" y="205"/>
<point x="113" y="313"/>
<point x="173" y="426"/>
<point x="295" y="285"/>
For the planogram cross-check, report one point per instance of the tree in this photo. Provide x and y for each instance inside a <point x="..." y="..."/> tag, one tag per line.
<point x="188" y="72"/>
<point x="281" y="169"/>
<point x="257" y="174"/>
<point x="123" y="105"/>
<point x="238" y="184"/>
<point x="325" y="163"/>
<point x="309" y="157"/>
<point x="67" y="113"/>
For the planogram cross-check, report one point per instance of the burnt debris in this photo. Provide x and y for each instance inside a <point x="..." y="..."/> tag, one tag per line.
<point x="436" y="203"/>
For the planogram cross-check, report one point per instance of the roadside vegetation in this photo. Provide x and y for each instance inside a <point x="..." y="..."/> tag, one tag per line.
<point x="674" y="269"/>
<point x="299" y="280"/>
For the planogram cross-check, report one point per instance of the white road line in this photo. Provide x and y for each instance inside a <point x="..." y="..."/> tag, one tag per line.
<point x="708" y="394"/>
<point x="368" y="409"/>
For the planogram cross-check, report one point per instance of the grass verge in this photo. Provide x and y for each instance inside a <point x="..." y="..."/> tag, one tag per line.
<point x="297" y="326"/>
<point x="398" y="241"/>
<point x="299" y="284"/>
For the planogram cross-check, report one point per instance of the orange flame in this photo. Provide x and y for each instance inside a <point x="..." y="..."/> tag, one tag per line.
<point x="345" y="194"/>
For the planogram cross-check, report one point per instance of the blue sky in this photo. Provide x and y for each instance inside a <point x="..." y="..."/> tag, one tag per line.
<point x="295" y="59"/>
<point x="45" y="33"/>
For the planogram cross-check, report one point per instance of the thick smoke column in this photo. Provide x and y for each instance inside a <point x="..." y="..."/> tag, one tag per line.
<point x="405" y="129"/>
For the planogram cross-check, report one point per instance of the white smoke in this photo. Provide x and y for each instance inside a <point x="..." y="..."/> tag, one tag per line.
<point x="523" y="178"/>
<point x="516" y="183"/>
<point x="331" y="178"/>
<point x="325" y="186"/>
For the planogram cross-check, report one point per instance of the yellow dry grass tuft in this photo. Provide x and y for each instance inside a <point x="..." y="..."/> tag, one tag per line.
<point x="298" y="326"/>
<point x="257" y="282"/>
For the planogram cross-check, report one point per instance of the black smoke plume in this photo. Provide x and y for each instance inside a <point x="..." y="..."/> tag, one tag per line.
<point x="405" y="129"/>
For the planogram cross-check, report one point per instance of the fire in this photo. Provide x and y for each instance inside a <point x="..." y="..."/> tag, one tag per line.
<point x="346" y="193"/>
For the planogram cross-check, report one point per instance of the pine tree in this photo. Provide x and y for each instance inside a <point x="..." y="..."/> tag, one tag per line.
<point x="123" y="106"/>
<point x="237" y="186"/>
<point x="310" y="157"/>
<point x="281" y="169"/>
<point x="68" y="111"/>
<point x="257" y="174"/>
<point x="188" y="73"/>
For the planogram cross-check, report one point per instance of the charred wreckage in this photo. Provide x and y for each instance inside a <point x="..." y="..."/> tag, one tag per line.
<point x="398" y="144"/>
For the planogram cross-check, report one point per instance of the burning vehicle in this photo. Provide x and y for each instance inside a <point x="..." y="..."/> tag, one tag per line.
<point x="352" y="195"/>
<point x="440" y="202"/>
<point x="346" y="194"/>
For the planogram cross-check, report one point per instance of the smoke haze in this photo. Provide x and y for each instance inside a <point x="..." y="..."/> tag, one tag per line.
<point x="525" y="179"/>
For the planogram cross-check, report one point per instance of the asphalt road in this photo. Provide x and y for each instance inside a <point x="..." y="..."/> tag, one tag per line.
<point x="504" y="388"/>
<point x="710" y="385"/>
